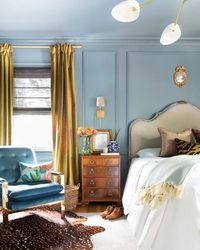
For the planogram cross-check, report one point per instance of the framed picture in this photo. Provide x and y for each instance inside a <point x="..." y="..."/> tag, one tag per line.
<point x="100" y="140"/>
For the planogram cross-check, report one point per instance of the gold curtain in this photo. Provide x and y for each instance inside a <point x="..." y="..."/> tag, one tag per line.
<point x="6" y="93"/>
<point x="65" y="150"/>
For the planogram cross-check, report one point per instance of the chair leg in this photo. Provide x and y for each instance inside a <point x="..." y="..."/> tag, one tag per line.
<point x="62" y="210"/>
<point x="5" y="216"/>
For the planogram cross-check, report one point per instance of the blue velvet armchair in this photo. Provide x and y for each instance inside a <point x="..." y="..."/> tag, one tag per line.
<point x="18" y="196"/>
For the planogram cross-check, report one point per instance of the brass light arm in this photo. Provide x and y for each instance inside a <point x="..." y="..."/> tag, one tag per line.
<point x="180" y="11"/>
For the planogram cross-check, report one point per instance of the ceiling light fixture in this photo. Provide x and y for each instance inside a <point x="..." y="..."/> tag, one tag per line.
<point x="172" y="32"/>
<point x="129" y="11"/>
<point x="126" y="11"/>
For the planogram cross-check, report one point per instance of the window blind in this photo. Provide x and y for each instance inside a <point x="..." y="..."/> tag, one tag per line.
<point x="32" y="88"/>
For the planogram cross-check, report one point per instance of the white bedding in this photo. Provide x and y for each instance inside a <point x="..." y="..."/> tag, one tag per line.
<point x="175" y="225"/>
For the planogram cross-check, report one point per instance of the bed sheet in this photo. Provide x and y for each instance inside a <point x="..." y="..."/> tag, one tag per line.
<point x="175" y="224"/>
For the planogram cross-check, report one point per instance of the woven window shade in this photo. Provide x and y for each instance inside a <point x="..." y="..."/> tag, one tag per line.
<point x="32" y="88"/>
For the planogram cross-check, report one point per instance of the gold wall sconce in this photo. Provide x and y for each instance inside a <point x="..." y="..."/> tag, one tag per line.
<point x="100" y="108"/>
<point x="180" y="76"/>
<point x="100" y="105"/>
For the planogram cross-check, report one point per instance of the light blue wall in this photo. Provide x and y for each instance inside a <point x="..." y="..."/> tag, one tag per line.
<point x="136" y="81"/>
<point x="135" y="77"/>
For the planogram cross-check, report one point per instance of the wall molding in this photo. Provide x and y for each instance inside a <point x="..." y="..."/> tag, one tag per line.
<point x="96" y="40"/>
<point x="113" y="55"/>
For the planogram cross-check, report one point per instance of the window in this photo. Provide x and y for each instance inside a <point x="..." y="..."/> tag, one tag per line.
<point x="32" y="121"/>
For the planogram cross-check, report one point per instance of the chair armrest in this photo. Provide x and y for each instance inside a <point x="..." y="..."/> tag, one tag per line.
<point x="4" y="185"/>
<point x="56" y="173"/>
<point x="2" y="180"/>
<point x="62" y="177"/>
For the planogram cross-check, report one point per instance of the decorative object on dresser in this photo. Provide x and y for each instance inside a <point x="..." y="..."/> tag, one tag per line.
<point x="113" y="145"/>
<point x="86" y="134"/>
<point x="100" y="140"/>
<point x="101" y="179"/>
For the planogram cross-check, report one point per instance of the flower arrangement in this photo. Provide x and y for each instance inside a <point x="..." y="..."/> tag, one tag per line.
<point x="86" y="131"/>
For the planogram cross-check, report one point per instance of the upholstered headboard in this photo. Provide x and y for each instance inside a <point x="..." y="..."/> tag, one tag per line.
<point x="143" y="133"/>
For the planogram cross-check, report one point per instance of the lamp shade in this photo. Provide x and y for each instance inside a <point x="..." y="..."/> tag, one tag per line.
<point x="100" y="101"/>
<point x="170" y="34"/>
<point x="126" y="11"/>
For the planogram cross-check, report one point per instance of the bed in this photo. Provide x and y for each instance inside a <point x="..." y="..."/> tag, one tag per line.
<point x="164" y="222"/>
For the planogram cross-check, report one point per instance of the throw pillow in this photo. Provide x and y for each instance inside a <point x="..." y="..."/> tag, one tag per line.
<point x="187" y="148"/>
<point x="34" y="173"/>
<point x="196" y="133"/>
<point x="168" y="145"/>
<point x="148" y="152"/>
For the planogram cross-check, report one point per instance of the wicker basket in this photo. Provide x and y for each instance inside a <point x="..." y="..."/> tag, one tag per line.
<point x="71" y="197"/>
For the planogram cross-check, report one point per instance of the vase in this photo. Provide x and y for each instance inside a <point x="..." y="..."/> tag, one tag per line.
<point x="113" y="147"/>
<point x="86" y="150"/>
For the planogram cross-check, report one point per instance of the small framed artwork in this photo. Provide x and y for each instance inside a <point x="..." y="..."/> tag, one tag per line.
<point x="100" y="140"/>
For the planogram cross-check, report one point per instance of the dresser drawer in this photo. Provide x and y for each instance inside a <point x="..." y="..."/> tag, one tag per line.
<point x="101" y="194"/>
<point x="101" y="182"/>
<point x="90" y="171"/>
<point x="110" y="161"/>
<point x="92" y="161"/>
<point x="103" y="161"/>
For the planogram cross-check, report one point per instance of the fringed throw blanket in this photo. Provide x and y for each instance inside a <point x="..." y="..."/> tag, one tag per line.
<point x="166" y="180"/>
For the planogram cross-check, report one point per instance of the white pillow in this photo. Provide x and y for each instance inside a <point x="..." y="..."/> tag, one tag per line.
<point x="149" y="152"/>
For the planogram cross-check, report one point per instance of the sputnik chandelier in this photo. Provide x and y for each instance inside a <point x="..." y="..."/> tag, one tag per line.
<point x="129" y="11"/>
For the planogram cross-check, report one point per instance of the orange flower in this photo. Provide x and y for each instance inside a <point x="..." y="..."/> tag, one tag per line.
<point x="86" y="131"/>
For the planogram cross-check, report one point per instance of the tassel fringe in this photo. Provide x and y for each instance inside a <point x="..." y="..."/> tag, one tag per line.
<point x="156" y="195"/>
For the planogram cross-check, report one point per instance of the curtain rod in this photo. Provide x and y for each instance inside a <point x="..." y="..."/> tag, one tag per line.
<point x="75" y="46"/>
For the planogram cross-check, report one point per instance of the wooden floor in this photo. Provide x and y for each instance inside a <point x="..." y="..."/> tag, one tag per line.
<point x="93" y="207"/>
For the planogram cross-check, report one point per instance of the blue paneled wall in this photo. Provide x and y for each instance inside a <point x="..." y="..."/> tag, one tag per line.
<point x="135" y="77"/>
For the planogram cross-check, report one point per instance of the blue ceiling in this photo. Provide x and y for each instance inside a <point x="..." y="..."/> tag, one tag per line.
<point x="34" y="19"/>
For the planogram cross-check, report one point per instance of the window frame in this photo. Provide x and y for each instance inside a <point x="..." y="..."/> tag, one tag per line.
<point x="32" y="73"/>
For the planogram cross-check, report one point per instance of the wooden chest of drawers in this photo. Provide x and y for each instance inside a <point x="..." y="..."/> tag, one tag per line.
<point x="100" y="178"/>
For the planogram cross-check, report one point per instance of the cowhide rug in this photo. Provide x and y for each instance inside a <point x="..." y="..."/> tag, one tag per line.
<point x="43" y="228"/>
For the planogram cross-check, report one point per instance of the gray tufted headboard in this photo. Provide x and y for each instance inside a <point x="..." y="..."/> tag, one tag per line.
<point x="143" y="133"/>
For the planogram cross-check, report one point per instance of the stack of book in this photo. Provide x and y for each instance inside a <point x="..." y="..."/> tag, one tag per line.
<point x="109" y="153"/>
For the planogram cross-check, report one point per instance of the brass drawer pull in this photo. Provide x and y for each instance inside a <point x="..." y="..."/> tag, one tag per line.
<point x="110" y="183"/>
<point x="109" y="172"/>
<point x="92" y="193"/>
<point x="110" y="194"/>
<point x="107" y="162"/>
<point x="92" y="182"/>
<point x="92" y="162"/>
<point x="91" y="171"/>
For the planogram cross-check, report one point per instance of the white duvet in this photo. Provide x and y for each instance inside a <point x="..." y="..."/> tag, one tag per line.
<point x="175" y="224"/>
